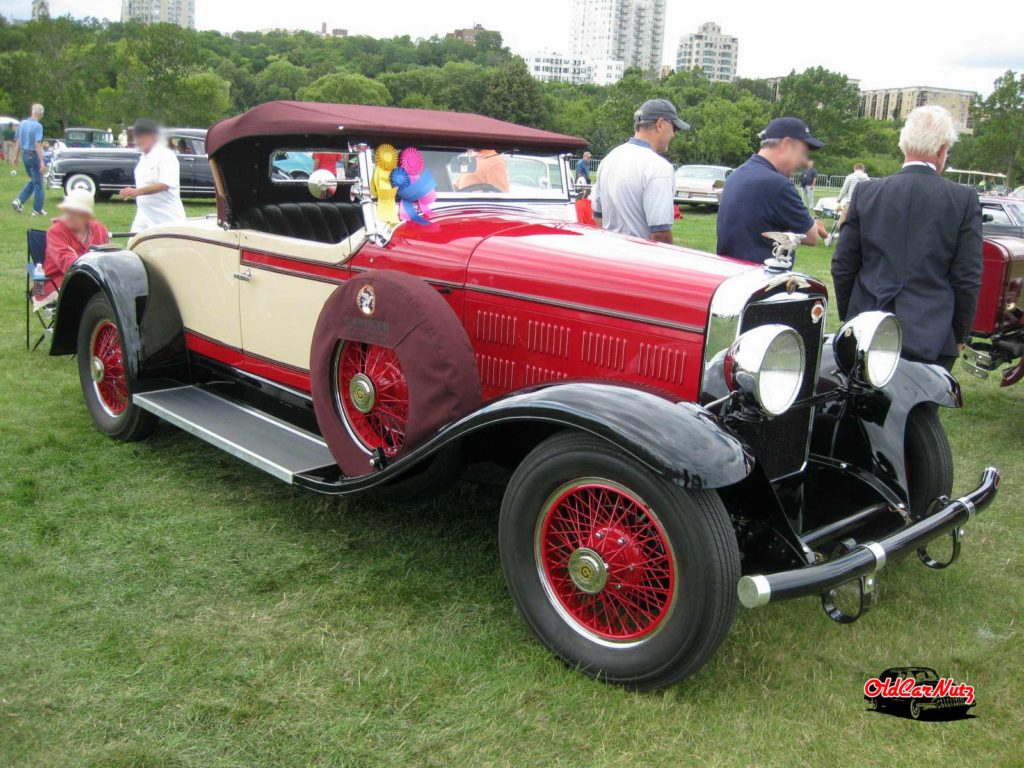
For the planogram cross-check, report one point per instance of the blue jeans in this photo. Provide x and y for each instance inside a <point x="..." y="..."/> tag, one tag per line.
<point x="34" y="187"/>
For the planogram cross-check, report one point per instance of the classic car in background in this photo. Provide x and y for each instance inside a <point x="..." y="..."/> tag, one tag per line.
<point x="680" y="433"/>
<point x="701" y="184"/>
<point x="997" y="333"/>
<point x="80" y="138"/>
<point x="1018" y="193"/>
<point x="1002" y="216"/>
<point x="103" y="172"/>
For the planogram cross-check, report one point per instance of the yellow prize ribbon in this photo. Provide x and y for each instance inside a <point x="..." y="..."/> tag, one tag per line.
<point x="380" y="183"/>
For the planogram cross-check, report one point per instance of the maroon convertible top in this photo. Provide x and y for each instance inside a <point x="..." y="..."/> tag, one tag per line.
<point x="427" y="126"/>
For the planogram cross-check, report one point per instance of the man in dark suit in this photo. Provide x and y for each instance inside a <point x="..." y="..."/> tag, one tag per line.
<point x="911" y="245"/>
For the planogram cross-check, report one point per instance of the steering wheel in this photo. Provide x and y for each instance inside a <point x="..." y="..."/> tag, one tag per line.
<point x="482" y="187"/>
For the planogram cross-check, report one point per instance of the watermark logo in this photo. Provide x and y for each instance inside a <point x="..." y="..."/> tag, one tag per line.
<point x="919" y="693"/>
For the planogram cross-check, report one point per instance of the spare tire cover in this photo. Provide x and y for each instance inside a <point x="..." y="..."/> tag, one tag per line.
<point x="390" y="315"/>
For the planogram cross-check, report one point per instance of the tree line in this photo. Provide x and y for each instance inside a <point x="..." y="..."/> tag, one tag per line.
<point x="106" y="74"/>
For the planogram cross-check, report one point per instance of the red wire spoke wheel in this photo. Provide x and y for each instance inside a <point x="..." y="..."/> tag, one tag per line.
<point x="374" y="396"/>
<point x="106" y="365"/>
<point x="605" y="561"/>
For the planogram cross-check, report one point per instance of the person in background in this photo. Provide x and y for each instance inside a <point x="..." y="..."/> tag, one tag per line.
<point x="491" y="171"/>
<point x="122" y="138"/>
<point x="73" y="234"/>
<point x="157" y="180"/>
<point x="327" y="161"/>
<point x="808" y="180"/>
<point x="911" y="245"/>
<point x="759" y="196"/>
<point x="845" y="195"/>
<point x="10" y="134"/>
<point x="635" y="186"/>
<point x="583" y="169"/>
<point x="29" y="142"/>
<point x="47" y="154"/>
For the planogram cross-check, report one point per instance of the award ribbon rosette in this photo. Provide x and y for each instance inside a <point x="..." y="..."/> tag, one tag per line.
<point x="386" y="158"/>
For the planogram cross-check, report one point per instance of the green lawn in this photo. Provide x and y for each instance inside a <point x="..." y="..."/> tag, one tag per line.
<point x="165" y="605"/>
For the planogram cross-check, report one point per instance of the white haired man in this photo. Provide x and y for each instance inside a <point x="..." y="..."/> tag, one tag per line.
<point x="911" y="245"/>
<point x="29" y="142"/>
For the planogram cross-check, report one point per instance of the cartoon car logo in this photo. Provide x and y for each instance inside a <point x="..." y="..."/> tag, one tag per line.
<point x="366" y="300"/>
<point x="918" y="692"/>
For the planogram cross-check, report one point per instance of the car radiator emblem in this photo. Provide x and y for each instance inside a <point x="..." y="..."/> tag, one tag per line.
<point x="366" y="300"/>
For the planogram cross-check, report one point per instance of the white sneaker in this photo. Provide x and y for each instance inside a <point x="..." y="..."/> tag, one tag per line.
<point x="39" y="213"/>
<point x="16" y="205"/>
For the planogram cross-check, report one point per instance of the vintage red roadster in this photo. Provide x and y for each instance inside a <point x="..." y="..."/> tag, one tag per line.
<point x="680" y="433"/>
<point x="997" y="334"/>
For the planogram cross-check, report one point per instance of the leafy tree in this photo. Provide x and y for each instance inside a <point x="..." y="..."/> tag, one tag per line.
<point x="206" y="98"/>
<point x="281" y="80"/>
<point x="999" y="124"/>
<point x="244" y="91"/>
<point x="514" y="95"/>
<point x="346" y="88"/>
<point x="827" y="102"/>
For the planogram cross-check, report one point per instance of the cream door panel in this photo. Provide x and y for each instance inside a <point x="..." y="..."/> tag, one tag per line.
<point x="289" y="281"/>
<point x="200" y="269"/>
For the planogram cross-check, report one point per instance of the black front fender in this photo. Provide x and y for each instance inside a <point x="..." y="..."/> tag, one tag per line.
<point x="147" y="315"/>
<point x="680" y="442"/>
<point x="883" y="413"/>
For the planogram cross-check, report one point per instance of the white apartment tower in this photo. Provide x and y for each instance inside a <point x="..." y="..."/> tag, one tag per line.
<point x="40" y="9"/>
<point x="708" y="49"/>
<point x="180" y="12"/>
<point x="614" y="35"/>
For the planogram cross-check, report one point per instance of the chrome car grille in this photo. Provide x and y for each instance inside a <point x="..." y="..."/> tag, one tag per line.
<point x="781" y="444"/>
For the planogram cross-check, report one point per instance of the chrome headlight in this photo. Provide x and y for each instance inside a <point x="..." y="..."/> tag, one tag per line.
<point x="867" y="348"/>
<point x="767" y="364"/>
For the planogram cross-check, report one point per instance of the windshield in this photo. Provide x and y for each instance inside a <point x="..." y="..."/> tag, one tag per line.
<point x="487" y="173"/>
<point x="705" y="172"/>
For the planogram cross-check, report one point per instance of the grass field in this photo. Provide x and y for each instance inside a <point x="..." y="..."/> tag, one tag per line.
<point x="164" y="605"/>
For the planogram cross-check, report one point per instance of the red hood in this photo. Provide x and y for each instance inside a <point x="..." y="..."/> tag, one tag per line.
<point x="575" y="264"/>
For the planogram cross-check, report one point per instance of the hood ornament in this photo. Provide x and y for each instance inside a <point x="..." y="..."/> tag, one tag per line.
<point x="783" y="251"/>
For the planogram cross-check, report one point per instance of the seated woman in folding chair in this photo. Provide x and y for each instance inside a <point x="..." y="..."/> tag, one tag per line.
<point x="73" y="234"/>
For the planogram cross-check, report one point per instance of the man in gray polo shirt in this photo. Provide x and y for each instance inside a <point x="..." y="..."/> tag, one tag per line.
<point x="635" y="186"/>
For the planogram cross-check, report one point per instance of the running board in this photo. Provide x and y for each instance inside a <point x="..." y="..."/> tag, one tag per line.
<point x="275" y="446"/>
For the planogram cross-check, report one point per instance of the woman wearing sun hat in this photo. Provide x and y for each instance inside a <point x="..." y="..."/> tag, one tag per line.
<point x="73" y="234"/>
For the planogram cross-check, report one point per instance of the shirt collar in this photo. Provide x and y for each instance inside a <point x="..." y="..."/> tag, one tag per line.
<point x="639" y="143"/>
<point x="763" y="161"/>
<point x="921" y="162"/>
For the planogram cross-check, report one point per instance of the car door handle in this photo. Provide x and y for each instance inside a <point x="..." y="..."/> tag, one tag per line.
<point x="245" y="275"/>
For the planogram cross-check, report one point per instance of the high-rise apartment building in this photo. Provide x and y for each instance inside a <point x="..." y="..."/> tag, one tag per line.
<point x="613" y="35"/>
<point x="551" y="67"/>
<point x="711" y="51"/>
<point x="180" y="12"/>
<point x="40" y="9"/>
<point x="897" y="103"/>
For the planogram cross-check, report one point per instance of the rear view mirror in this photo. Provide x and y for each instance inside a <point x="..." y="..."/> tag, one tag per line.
<point x="322" y="184"/>
<point x="462" y="164"/>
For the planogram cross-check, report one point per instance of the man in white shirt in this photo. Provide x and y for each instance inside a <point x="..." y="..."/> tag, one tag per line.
<point x="845" y="196"/>
<point x="157" y="180"/>
<point x="635" y="188"/>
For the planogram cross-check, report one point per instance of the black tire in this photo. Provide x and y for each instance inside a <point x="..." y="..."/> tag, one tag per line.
<point x="118" y="418"/>
<point x="928" y="457"/>
<point x="701" y="547"/>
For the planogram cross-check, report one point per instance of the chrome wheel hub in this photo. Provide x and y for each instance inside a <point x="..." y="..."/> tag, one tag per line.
<point x="363" y="395"/>
<point x="588" y="570"/>
<point x="97" y="370"/>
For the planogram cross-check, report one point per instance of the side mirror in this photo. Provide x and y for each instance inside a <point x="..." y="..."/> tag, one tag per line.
<point x="322" y="184"/>
<point x="462" y="164"/>
<point x="987" y="217"/>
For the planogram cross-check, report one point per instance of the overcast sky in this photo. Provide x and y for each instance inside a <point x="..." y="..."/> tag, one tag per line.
<point x="881" y="42"/>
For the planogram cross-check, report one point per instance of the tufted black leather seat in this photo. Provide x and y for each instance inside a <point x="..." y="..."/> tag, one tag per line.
<point x="320" y="222"/>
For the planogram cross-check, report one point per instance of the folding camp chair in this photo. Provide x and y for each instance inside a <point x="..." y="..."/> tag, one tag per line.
<point x="45" y="315"/>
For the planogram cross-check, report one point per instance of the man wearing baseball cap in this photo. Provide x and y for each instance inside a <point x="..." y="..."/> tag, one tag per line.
<point x="759" y="196"/>
<point x="73" y="234"/>
<point x="635" y="185"/>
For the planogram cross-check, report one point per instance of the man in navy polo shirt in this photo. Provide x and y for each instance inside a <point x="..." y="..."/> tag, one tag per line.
<point x="759" y="196"/>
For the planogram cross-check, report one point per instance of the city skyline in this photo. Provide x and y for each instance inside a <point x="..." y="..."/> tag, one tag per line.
<point x="973" y="51"/>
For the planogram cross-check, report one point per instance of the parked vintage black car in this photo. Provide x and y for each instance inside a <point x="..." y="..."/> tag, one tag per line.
<point x="103" y="172"/>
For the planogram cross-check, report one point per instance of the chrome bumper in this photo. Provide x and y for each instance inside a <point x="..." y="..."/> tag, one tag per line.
<point x="977" y="362"/>
<point x="866" y="559"/>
